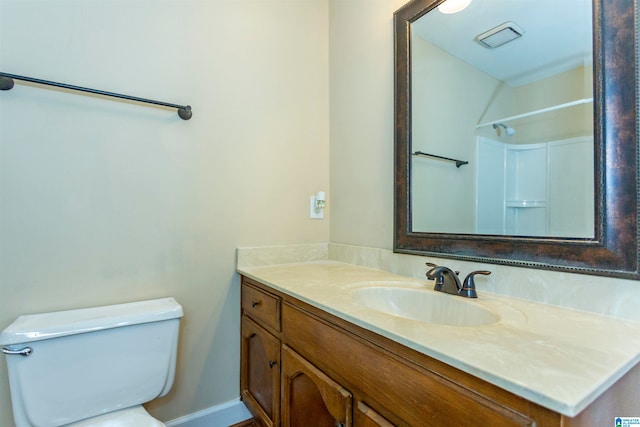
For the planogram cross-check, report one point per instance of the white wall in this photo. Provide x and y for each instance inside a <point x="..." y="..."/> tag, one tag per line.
<point x="103" y="201"/>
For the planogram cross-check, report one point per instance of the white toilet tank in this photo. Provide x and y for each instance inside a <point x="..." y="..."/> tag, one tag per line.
<point x="87" y="362"/>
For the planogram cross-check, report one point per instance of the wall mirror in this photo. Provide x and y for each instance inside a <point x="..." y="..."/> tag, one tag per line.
<point x="516" y="133"/>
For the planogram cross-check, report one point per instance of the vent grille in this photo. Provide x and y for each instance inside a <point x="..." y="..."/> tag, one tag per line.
<point x="500" y="35"/>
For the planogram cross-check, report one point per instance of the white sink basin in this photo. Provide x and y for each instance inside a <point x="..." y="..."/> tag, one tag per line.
<point x="425" y="305"/>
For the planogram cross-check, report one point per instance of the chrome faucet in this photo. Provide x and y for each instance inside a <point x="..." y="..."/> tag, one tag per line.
<point x="448" y="281"/>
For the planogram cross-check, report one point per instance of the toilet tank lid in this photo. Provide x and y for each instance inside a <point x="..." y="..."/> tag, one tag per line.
<point x="35" y="327"/>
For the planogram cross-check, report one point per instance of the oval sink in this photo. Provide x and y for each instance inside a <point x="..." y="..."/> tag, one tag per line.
<point x="425" y="306"/>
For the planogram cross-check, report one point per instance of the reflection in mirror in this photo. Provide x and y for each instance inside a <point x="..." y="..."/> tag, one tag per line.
<point x="506" y="86"/>
<point x="554" y="201"/>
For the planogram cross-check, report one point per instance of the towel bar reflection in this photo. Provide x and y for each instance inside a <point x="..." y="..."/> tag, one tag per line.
<point x="6" y="83"/>
<point x="456" y="161"/>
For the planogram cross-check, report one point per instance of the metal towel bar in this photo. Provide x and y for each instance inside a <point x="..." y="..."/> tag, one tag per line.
<point x="6" y="83"/>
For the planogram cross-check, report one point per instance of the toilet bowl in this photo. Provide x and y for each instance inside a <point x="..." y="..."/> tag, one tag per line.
<point x="93" y="366"/>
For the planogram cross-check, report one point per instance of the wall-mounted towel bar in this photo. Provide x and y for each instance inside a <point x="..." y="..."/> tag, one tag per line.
<point x="6" y="83"/>
<point x="457" y="162"/>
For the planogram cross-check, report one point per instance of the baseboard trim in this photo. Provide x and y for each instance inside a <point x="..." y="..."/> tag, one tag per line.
<point x="223" y="415"/>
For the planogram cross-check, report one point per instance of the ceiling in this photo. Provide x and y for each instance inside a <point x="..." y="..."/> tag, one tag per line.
<point x="557" y="36"/>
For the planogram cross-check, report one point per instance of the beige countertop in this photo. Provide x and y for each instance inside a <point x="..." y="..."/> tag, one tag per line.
<point x="558" y="358"/>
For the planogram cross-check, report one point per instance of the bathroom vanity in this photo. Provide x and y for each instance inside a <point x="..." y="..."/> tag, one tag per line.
<point x="314" y="354"/>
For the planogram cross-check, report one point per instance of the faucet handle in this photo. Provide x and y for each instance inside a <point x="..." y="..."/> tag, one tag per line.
<point x="432" y="272"/>
<point x="469" y="285"/>
<point x="437" y="269"/>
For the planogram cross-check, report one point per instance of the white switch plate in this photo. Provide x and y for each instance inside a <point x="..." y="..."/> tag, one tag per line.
<point x="312" y="209"/>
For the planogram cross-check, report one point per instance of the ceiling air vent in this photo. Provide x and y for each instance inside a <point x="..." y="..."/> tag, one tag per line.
<point x="503" y="33"/>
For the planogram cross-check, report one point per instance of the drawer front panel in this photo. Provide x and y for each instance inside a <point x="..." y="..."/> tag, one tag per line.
<point x="262" y="306"/>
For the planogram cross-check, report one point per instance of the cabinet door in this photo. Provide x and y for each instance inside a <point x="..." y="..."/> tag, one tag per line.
<point x="367" y="417"/>
<point x="309" y="397"/>
<point x="260" y="373"/>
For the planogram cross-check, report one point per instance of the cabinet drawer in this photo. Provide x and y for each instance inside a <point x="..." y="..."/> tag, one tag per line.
<point x="262" y="306"/>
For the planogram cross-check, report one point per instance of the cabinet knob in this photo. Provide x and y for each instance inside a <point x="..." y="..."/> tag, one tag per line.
<point x="254" y="304"/>
<point x="272" y="363"/>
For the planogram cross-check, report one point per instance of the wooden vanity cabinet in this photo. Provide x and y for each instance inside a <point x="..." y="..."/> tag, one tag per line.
<point x="324" y="371"/>
<point x="302" y="367"/>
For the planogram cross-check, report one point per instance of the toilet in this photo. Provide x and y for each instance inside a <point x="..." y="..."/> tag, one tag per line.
<point x="92" y="367"/>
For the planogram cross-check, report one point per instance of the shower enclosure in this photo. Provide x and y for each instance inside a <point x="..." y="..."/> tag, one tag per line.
<point x="543" y="189"/>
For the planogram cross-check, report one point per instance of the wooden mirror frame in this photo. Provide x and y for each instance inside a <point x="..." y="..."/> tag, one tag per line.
<point x="614" y="249"/>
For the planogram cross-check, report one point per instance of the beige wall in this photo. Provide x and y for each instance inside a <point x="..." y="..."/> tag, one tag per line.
<point x="361" y="97"/>
<point x="565" y="123"/>
<point x="104" y="202"/>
